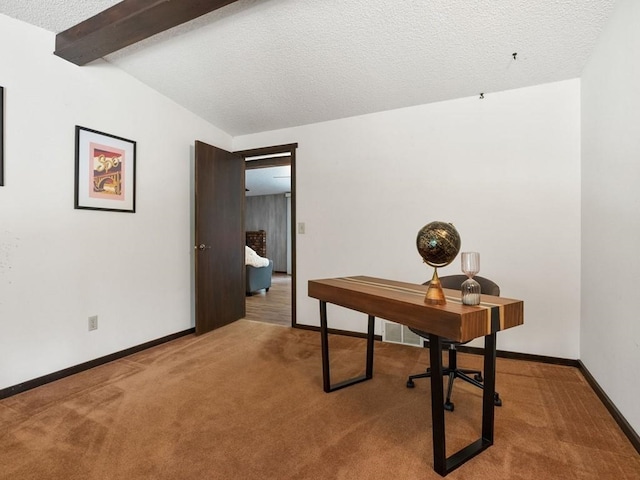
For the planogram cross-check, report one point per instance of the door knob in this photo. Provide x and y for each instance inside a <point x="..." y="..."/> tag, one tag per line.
<point x="202" y="246"/>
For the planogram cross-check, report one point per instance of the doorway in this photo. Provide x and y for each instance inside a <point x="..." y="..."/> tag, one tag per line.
<point x="270" y="167"/>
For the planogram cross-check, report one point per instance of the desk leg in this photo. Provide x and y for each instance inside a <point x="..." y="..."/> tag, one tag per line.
<point x="488" y="405"/>
<point x="324" y="340"/>
<point x="437" y="405"/>
<point x="442" y="464"/>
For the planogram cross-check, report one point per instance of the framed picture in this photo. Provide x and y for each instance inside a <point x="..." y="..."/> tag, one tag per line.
<point x="105" y="172"/>
<point x="1" y="136"/>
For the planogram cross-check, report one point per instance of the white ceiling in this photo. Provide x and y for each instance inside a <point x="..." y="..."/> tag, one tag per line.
<point x="259" y="65"/>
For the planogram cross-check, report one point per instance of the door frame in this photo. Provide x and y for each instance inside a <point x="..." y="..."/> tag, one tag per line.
<point x="276" y="161"/>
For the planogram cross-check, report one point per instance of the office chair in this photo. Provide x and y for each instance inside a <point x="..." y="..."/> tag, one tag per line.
<point x="452" y="370"/>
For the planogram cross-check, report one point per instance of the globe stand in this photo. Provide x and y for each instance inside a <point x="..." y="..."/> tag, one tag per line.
<point x="435" y="294"/>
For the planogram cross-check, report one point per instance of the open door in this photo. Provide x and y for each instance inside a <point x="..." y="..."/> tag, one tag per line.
<point x="219" y="235"/>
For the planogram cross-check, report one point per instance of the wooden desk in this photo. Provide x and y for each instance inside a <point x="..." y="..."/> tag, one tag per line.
<point x="404" y="303"/>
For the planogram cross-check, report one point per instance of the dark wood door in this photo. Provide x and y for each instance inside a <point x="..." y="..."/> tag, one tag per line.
<point x="219" y="249"/>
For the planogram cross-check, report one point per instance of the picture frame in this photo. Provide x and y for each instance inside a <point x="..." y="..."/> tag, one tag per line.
<point x="1" y="136"/>
<point x="105" y="173"/>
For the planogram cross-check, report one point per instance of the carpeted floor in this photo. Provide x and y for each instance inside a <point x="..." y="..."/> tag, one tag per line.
<point x="246" y="402"/>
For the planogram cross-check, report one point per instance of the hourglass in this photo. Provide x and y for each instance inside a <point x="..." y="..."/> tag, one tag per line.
<point x="470" y="288"/>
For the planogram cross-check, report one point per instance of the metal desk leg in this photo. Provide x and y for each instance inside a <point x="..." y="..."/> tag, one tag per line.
<point x="324" y="340"/>
<point x="437" y="405"/>
<point x="488" y="405"/>
<point x="442" y="464"/>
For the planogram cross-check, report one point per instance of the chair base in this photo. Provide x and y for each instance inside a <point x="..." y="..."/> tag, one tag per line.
<point x="454" y="373"/>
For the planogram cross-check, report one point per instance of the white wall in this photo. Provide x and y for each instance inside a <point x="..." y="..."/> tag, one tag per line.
<point x="610" y="330"/>
<point x="504" y="170"/>
<point x="59" y="265"/>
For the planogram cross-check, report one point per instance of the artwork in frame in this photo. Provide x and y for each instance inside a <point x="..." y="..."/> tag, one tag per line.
<point x="105" y="172"/>
<point x="1" y="136"/>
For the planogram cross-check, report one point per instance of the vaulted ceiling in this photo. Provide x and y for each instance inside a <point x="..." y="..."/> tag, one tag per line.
<point x="258" y="65"/>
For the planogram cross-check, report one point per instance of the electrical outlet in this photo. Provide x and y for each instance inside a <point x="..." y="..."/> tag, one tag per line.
<point x="301" y="228"/>
<point x="93" y="322"/>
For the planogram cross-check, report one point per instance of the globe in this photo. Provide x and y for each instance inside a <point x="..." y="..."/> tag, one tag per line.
<point x="438" y="243"/>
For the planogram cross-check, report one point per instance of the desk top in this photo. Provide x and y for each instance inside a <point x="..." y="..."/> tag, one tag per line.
<point x="404" y="303"/>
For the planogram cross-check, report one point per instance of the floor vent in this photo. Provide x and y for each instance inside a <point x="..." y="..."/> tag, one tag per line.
<point x="396" y="333"/>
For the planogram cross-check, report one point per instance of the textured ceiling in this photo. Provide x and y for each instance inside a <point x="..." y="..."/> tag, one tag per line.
<point x="259" y="65"/>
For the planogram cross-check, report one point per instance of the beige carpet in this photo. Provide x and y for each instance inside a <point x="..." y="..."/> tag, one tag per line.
<point x="246" y="402"/>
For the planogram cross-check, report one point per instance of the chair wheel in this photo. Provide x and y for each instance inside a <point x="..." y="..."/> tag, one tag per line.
<point x="410" y="384"/>
<point x="448" y="406"/>
<point x="497" y="401"/>
<point x="478" y="377"/>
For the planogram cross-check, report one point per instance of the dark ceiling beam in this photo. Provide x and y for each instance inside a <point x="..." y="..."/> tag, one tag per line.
<point x="126" y="23"/>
